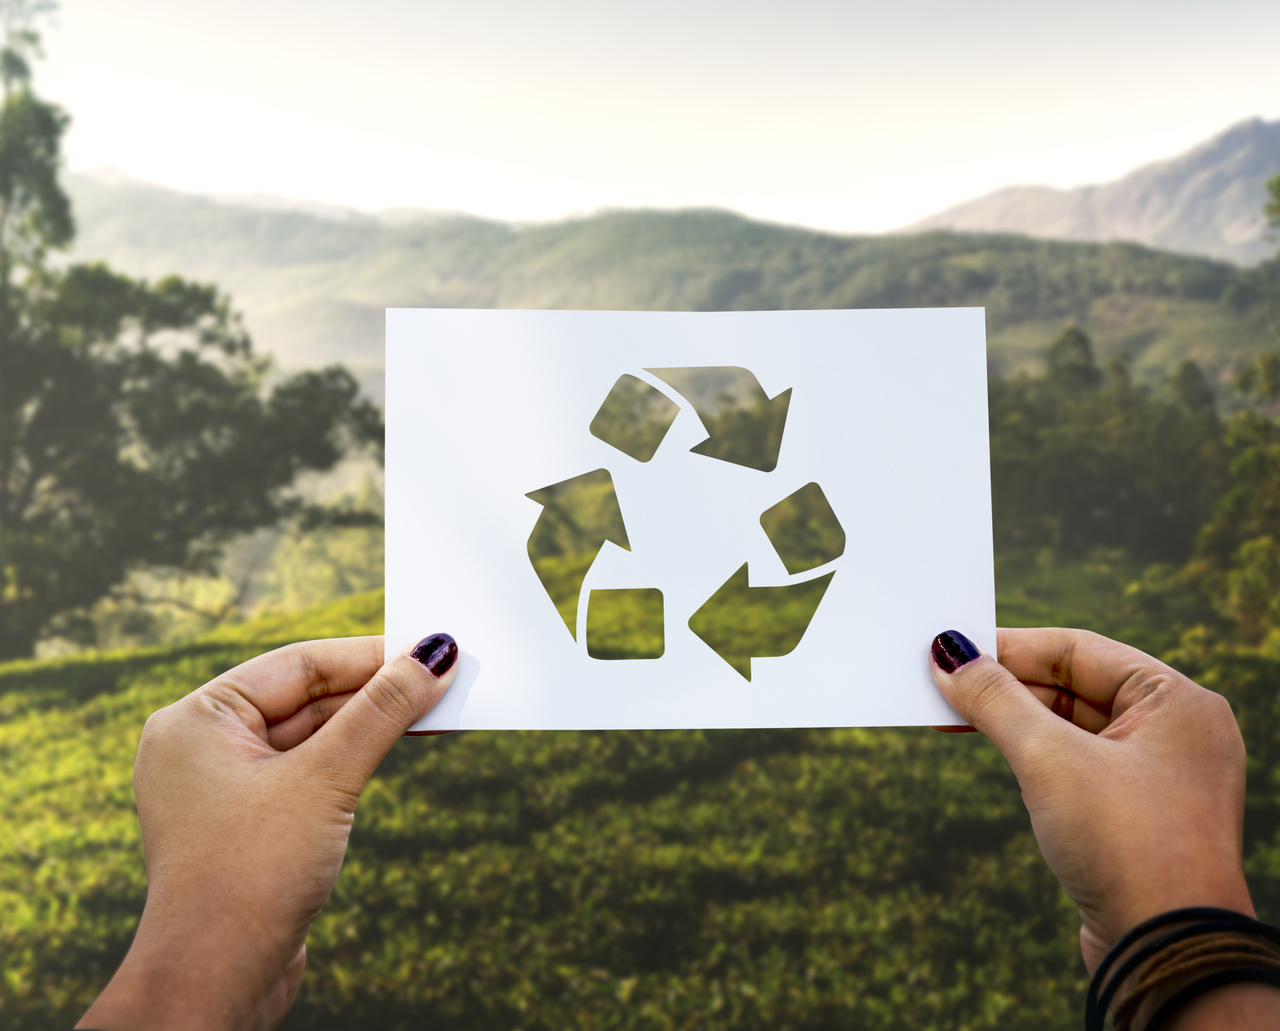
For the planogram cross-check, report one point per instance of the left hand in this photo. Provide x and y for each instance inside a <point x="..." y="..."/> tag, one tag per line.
<point x="246" y="792"/>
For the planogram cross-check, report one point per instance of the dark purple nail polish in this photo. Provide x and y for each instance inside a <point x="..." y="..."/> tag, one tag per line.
<point x="437" y="652"/>
<point x="951" y="650"/>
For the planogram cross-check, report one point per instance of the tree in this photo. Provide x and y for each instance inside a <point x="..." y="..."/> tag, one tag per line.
<point x="1272" y="210"/>
<point x="1081" y="457"/>
<point x="1071" y="364"/>
<point x="1261" y="377"/>
<point x="35" y="213"/>
<point x="135" y="424"/>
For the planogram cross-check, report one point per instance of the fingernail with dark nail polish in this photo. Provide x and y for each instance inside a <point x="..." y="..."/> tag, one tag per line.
<point x="437" y="652"/>
<point x="951" y="650"/>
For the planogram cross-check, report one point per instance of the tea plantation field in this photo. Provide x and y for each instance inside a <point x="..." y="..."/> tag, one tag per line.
<point x="780" y="879"/>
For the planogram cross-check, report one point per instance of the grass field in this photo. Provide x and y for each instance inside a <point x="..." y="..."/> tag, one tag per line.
<point x="691" y="879"/>
<point x="71" y="878"/>
<point x="704" y="880"/>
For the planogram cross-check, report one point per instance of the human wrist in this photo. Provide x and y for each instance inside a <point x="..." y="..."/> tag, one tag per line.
<point x="1190" y="880"/>
<point x="180" y="976"/>
<point x="1164" y="965"/>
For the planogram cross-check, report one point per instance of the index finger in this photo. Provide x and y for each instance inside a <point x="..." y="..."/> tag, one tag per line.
<point x="1088" y="665"/>
<point x="283" y="682"/>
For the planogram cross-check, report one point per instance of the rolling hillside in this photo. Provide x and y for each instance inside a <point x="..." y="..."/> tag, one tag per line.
<point x="313" y="287"/>
<point x="625" y="880"/>
<point x="885" y="879"/>
<point x="1207" y="201"/>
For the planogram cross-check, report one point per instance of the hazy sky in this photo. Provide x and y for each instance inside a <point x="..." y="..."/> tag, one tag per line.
<point x="850" y="116"/>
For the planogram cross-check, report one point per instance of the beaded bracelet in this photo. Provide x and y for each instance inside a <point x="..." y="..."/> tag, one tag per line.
<point x="1210" y="948"/>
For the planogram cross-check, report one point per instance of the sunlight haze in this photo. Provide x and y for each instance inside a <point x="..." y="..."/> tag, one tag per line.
<point x="844" y="116"/>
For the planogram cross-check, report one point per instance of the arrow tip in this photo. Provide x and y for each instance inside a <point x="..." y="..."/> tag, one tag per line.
<point x="748" y="435"/>
<point x="713" y="623"/>
<point x="578" y="516"/>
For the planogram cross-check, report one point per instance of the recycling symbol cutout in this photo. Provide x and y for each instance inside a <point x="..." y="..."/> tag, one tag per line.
<point x="738" y="622"/>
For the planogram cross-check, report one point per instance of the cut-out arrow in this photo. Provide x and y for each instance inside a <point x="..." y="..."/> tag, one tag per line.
<point x="744" y="424"/>
<point x="577" y="517"/>
<point x="740" y="622"/>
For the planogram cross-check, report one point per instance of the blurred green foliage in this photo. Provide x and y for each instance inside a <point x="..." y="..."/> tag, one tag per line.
<point x="740" y="621"/>
<point x="634" y="418"/>
<point x="578" y="516"/>
<point x="1082" y="457"/>
<point x="691" y="879"/>
<point x="71" y="877"/>
<point x="804" y="530"/>
<point x="626" y="623"/>
<point x="287" y="567"/>
<point x="135" y="425"/>
<point x="883" y="879"/>
<point x="744" y="425"/>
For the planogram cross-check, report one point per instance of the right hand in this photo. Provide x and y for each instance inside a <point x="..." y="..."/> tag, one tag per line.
<point x="1134" y="781"/>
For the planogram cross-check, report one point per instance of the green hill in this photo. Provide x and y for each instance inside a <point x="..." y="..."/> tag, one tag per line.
<point x="314" y="288"/>
<point x="799" y="879"/>
<point x="877" y="879"/>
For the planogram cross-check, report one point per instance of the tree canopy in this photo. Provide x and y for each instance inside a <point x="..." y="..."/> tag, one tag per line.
<point x="1081" y="457"/>
<point x="136" y="427"/>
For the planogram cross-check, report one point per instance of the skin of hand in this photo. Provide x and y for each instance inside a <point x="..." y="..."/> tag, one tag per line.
<point x="246" y="792"/>
<point x="1134" y="777"/>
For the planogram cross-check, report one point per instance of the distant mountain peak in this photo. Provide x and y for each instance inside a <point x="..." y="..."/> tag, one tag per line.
<point x="1207" y="200"/>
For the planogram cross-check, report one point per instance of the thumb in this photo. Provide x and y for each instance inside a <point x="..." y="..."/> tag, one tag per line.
<point x="404" y="690"/>
<point x="989" y="697"/>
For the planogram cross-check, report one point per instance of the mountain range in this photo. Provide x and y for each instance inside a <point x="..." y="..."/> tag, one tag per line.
<point x="1207" y="201"/>
<point x="313" y="280"/>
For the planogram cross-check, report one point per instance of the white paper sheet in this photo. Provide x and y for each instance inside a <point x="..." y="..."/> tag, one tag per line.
<point x="887" y="414"/>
